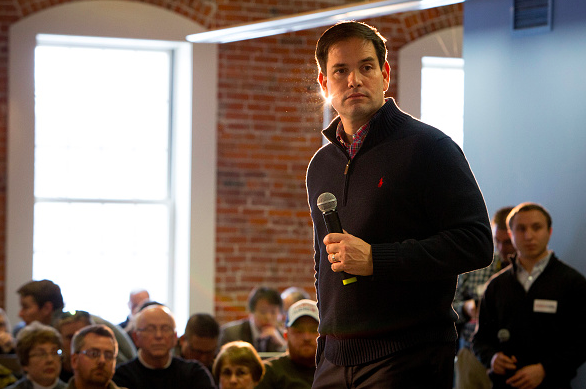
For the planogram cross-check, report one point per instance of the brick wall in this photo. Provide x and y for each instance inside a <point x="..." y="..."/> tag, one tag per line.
<point x="269" y="122"/>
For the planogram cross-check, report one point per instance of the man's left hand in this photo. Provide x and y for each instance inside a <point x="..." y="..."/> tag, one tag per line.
<point x="349" y="253"/>
<point x="528" y="377"/>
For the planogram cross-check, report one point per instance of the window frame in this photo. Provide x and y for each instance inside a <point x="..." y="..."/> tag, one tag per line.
<point x="446" y="42"/>
<point x="195" y="119"/>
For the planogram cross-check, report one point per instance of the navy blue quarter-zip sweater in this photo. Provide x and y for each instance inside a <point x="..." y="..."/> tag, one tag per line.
<point x="410" y="193"/>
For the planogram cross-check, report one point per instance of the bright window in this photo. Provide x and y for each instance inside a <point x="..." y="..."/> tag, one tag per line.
<point x="442" y="95"/>
<point x="189" y="281"/>
<point x="103" y="200"/>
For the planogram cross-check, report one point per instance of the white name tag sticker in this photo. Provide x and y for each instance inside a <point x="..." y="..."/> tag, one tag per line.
<point x="545" y="306"/>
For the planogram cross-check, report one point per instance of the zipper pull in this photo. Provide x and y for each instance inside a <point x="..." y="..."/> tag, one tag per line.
<point x="347" y="167"/>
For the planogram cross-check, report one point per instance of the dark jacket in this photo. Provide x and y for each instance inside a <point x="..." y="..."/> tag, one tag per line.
<point x="240" y="330"/>
<point x="545" y="324"/>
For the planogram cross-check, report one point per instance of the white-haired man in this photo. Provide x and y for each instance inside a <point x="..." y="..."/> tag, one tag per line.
<point x="155" y="367"/>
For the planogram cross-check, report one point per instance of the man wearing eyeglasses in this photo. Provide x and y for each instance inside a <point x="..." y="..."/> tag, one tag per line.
<point x="93" y="358"/>
<point x="155" y="367"/>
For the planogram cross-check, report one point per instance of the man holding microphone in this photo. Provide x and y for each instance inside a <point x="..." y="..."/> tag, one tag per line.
<point x="415" y="219"/>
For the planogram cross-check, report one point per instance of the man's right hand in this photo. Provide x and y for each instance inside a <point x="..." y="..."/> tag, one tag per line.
<point x="500" y="363"/>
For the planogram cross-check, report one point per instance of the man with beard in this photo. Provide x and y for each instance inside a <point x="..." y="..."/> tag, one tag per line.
<point x="93" y="358"/>
<point x="295" y="369"/>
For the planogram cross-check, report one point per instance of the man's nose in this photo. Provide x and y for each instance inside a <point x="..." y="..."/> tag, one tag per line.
<point x="354" y="79"/>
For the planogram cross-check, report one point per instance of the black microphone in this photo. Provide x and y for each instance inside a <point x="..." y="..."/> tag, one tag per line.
<point x="327" y="203"/>
<point x="503" y="336"/>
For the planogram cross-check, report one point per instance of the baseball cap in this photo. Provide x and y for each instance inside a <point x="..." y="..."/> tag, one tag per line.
<point x="302" y="308"/>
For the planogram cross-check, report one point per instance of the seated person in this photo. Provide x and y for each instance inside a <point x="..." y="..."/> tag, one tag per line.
<point x="261" y="327"/>
<point x="42" y="301"/>
<point x="155" y="367"/>
<point x="7" y="342"/>
<point x="93" y="358"/>
<point x="200" y="340"/>
<point x="135" y="301"/>
<point x="238" y="365"/>
<point x="39" y="351"/>
<point x="295" y="369"/>
<point x="291" y="295"/>
<point x="68" y="325"/>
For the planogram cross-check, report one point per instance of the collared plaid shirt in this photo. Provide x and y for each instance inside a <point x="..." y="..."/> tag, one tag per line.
<point x="357" y="139"/>
<point x="471" y="287"/>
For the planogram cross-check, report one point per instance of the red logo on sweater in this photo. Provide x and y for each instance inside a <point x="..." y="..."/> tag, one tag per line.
<point x="380" y="182"/>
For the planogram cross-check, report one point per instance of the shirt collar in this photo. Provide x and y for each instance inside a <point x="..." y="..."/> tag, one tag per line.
<point x="39" y="386"/>
<point x="142" y="361"/>
<point x="527" y="279"/>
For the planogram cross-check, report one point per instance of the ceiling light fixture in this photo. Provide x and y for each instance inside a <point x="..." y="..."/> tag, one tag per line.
<point x="313" y="19"/>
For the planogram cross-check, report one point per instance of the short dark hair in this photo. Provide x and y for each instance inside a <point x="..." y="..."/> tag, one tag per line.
<point x="524" y="207"/>
<point x="68" y="317"/>
<point x="239" y="353"/>
<point x="97" y="329"/>
<point x="500" y="217"/>
<point x="202" y="325"/>
<point x="343" y="31"/>
<point x="264" y="293"/>
<point x="33" y="334"/>
<point x="42" y="292"/>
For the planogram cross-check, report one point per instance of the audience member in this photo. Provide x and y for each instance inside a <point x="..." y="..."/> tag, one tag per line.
<point x="238" y="366"/>
<point x="469" y="372"/>
<point x="295" y="369"/>
<point x="200" y="340"/>
<point x="42" y="301"/>
<point x="155" y="367"/>
<point x="131" y="327"/>
<point x="135" y="301"/>
<point x="528" y="327"/>
<point x="39" y="352"/>
<point x="261" y="327"/>
<point x="93" y="357"/>
<point x="292" y="295"/>
<point x="471" y="285"/>
<point x="7" y="342"/>
<point x="7" y="349"/>
<point x="68" y="325"/>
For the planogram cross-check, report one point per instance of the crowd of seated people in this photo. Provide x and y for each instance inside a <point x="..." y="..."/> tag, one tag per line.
<point x="274" y="346"/>
<point x="41" y="351"/>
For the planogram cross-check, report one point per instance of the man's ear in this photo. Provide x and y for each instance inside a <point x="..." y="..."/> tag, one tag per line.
<point x="323" y="83"/>
<point x="74" y="359"/>
<point x="135" y="338"/>
<point x="47" y="309"/>
<point x="386" y="70"/>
